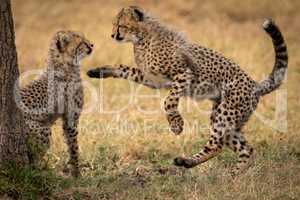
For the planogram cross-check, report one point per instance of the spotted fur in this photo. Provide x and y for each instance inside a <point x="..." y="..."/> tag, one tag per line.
<point x="57" y="93"/>
<point x="165" y="58"/>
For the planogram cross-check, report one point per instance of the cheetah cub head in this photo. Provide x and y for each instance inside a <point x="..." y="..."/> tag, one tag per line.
<point x="69" y="47"/>
<point x="127" y="24"/>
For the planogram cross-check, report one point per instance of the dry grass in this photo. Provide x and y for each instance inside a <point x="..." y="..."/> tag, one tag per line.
<point x="128" y="155"/>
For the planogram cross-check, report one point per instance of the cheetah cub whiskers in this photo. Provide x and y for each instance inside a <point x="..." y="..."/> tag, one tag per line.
<point x="57" y="93"/>
<point x="163" y="55"/>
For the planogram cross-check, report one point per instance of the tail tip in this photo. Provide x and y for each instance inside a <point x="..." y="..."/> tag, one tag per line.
<point x="268" y="23"/>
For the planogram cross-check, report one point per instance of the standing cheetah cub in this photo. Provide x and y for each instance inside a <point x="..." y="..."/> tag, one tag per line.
<point x="197" y="72"/>
<point x="57" y="93"/>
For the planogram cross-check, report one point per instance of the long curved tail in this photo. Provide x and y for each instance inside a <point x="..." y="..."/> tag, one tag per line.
<point x="277" y="75"/>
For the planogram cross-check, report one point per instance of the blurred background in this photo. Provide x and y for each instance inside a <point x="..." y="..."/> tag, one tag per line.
<point x="118" y="146"/>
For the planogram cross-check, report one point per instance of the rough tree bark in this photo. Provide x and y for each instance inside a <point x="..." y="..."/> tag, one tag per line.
<point x="12" y="138"/>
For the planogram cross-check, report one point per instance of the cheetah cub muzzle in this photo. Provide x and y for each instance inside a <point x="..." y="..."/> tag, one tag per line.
<point x="57" y="93"/>
<point x="166" y="59"/>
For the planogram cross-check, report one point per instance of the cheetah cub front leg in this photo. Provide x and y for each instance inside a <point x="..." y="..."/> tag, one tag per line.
<point x="178" y="88"/>
<point x="128" y="73"/>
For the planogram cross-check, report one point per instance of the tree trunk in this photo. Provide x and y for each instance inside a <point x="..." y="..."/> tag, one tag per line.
<point x="12" y="135"/>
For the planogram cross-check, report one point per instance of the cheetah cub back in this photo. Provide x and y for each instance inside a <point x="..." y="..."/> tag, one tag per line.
<point x="57" y="93"/>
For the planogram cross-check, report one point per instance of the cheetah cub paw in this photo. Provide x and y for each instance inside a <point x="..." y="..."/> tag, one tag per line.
<point x="176" y="124"/>
<point x="101" y="72"/>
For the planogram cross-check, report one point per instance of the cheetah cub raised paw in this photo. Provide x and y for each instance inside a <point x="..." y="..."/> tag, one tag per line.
<point x="165" y="58"/>
<point x="57" y="93"/>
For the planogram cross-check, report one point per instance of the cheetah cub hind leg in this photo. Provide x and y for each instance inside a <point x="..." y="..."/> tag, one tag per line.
<point x="38" y="143"/>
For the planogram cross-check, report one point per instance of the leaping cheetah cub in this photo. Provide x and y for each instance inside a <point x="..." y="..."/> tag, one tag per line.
<point x="57" y="93"/>
<point x="163" y="55"/>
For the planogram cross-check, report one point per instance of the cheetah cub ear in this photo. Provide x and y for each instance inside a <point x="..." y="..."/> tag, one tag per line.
<point x="138" y="13"/>
<point x="62" y="41"/>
